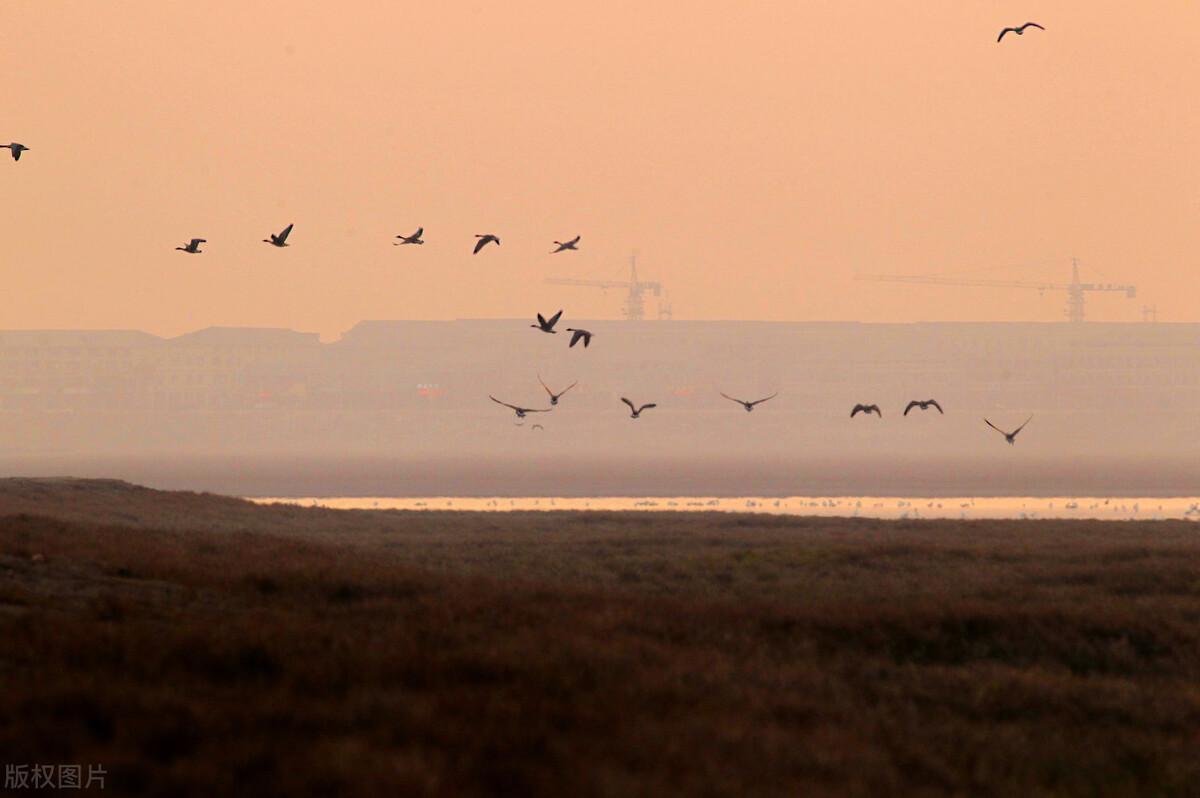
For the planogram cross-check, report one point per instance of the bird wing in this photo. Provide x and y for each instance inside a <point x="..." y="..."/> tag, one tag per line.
<point x="541" y="318"/>
<point x="419" y="233"/>
<point x="764" y="399"/>
<point x="575" y="338"/>
<point x="197" y="242"/>
<point x="939" y="407"/>
<point x="554" y="319"/>
<point x="730" y="398"/>
<point x="16" y="153"/>
<point x="481" y="243"/>
<point x="1006" y="30"/>
<point x="857" y="409"/>
<point x="1018" y="429"/>
<point x="875" y="409"/>
<point x="993" y="426"/>
<point x="286" y="232"/>
<point x="647" y="406"/>
<point x="544" y="385"/>
<point x="574" y="241"/>
<point x="506" y="404"/>
<point x="911" y="405"/>
<point x="569" y="387"/>
<point x="1032" y="25"/>
<point x="631" y="407"/>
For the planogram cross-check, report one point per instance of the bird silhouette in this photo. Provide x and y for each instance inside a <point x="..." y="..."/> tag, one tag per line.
<point x="565" y="245"/>
<point x="547" y="325"/>
<point x="636" y="412"/>
<point x="1011" y="437"/>
<point x="868" y="409"/>
<point x="1020" y="31"/>
<point x="483" y="241"/>
<point x="520" y="411"/>
<point x="749" y="405"/>
<point x="281" y="239"/>
<point x="15" y="148"/>
<point x="555" y="396"/>
<point x="538" y="426"/>
<point x="415" y="238"/>
<point x="924" y="405"/>
<point x="192" y="247"/>
<point x="580" y="334"/>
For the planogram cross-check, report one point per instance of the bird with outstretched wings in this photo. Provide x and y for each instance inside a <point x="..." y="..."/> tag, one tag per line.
<point x="634" y="411"/>
<point x="520" y="411"/>
<point x="749" y="405"/>
<point x="1011" y="437"/>
<point x="868" y="409"/>
<point x="924" y="405"/>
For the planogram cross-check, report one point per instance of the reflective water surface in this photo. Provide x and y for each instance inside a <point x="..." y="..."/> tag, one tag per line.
<point x="1014" y="507"/>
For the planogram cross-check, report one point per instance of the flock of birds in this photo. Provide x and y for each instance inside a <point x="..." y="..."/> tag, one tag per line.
<point x="547" y="325"/>
<point x="482" y="240"/>
<point x="280" y="239"/>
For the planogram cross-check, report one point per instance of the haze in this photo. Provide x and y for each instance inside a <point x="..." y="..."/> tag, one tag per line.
<point x="757" y="155"/>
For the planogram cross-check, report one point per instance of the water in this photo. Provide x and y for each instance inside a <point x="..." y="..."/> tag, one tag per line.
<point x="892" y="507"/>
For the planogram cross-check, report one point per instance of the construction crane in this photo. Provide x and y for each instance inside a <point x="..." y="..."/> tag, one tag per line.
<point x="1076" y="290"/>
<point x="635" y="304"/>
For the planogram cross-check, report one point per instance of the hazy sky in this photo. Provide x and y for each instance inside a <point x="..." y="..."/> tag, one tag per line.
<point x="756" y="154"/>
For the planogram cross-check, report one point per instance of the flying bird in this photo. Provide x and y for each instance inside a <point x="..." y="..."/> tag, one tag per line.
<point x="547" y="325"/>
<point x="1020" y="31"/>
<point x="578" y="334"/>
<point x="924" y="405"/>
<point x="520" y="411"/>
<point x="538" y="426"/>
<point x="636" y="412"/>
<point x="868" y="409"/>
<point x="1011" y="437"/>
<point x="483" y="241"/>
<point x="192" y="247"/>
<point x="749" y="405"/>
<point x="281" y="239"/>
<point x="16" y="149"/>
<point x="415" y="238"/>
<point x="563" y="245"/>
<point x="555" y="396"/>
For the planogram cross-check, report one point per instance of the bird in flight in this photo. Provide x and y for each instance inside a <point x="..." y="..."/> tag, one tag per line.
<point x="520" y="411"/>
<point x="1011" y="437"/>
<point x="192" y="247"/>
<point x="415" y="238"/>
<point x="281" y="239"/>
<point x="924" y="405"/>
<point x="483" y="241"/>
<point x="868" y="409"/>
<point x="563" y="245"/>
<point x="1020" y="31"/>
<point x="636" y="412"/>
<point x="547" y="325"/>
<point x="749" y="405"/>
<point x="576" y="335"/>
<point x="538" y="426"/>
<point x="555" y="396"/>
<point x="15" y="148"/>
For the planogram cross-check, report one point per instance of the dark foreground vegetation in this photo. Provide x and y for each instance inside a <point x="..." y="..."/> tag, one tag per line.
<point x="196" y="645"/>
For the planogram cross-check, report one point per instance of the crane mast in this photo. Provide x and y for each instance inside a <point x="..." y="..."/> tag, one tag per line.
<point x="1076" y="290"/>
<point x="635" y="302"/>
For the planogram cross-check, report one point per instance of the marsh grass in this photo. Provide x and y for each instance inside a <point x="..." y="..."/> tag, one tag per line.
<point x="200" y="645"/>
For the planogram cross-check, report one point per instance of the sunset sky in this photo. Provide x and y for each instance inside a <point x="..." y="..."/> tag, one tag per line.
<point x="756" y="155"/>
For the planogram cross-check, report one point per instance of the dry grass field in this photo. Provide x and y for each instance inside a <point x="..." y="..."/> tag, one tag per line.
<point x="199" y="645"/>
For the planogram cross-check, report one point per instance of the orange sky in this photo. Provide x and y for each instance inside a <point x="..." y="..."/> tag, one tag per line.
<point x="756" y="154"/>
